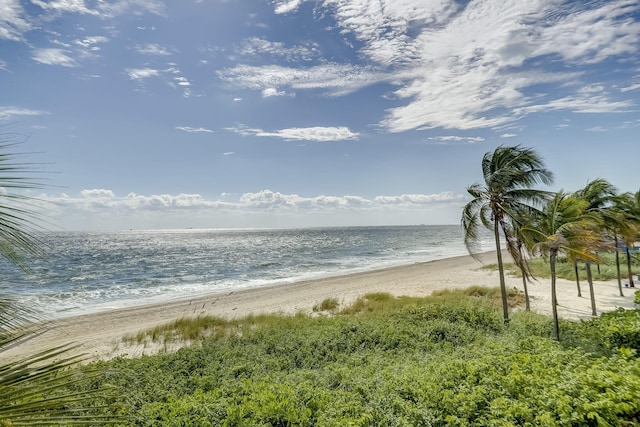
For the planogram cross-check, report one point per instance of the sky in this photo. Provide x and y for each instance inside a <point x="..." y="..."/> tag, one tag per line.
<point x="149" y="114"/>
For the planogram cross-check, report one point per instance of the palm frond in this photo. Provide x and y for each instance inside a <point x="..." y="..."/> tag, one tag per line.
<point x="38" y="388"/>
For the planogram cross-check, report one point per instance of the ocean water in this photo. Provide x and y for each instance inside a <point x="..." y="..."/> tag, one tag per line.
<point x="92" y="272"/>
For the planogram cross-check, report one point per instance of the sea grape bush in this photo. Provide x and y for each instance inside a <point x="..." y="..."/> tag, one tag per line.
<point x="620" y="329"/>
<point x="429" y="362"/>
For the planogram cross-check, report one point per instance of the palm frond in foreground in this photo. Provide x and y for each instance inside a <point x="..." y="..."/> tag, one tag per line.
<point x="37" y="389"/>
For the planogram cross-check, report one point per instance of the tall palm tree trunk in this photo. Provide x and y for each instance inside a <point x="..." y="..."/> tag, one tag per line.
<point x="527" y="306"/>
<point x="575" y="268"/>
<point x="615" y="238"/>
<point x="503" y="286"/>
<point x="525" y="275"/>
<point x="554" y="298"/>
<point x="591" y="292"/>
<point x="631" y="284"/>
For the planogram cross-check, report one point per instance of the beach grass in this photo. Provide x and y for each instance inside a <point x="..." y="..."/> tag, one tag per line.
<point x="328" y="304"/>
<point x="191" y="329"/>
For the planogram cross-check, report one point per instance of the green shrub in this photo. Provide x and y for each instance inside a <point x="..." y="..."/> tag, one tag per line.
<point x="620" y="329"/>
<point x="524" y="324"/>
<point x="606" y="335"/>
<point x="472" y="311"/>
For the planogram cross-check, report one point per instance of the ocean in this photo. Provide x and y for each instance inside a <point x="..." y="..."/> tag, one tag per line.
<point x="88" y="272"/>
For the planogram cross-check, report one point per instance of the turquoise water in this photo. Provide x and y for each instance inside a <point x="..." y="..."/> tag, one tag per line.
<point x="91" y="272"/>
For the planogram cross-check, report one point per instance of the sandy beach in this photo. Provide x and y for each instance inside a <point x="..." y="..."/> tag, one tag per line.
<point x="100" y="335"/>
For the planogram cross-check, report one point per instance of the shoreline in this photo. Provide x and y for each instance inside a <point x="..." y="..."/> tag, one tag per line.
<point x="99" y="335"/>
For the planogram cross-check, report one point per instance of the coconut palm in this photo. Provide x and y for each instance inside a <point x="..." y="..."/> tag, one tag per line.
<point x="563" y="228"/>
<point x="32" y="389"/>
<point x="622" y="223"/>
<point x="600" y="196"/>
<point x="522" y="254"/>
<point x="629" y="205"/>
<point x="509" y="174"/>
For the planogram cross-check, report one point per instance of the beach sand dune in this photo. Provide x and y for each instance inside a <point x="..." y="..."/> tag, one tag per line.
<point x="100" y="335"/>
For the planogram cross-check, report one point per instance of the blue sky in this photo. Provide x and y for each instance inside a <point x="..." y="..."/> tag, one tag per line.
<point x="289" y="113"/>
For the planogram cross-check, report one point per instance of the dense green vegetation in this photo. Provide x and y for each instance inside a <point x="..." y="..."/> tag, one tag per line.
<point x="384" y="361"/>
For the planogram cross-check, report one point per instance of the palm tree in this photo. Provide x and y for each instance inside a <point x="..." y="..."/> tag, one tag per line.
<point x="629" y="204"/>
<point x="564" y="228"/>
<point x="522" y="254"/>
<point x="34" y="389"/>
<point x="622" y="223"/>
<point x="599" y="195"/>
<point x="509" y="174"/>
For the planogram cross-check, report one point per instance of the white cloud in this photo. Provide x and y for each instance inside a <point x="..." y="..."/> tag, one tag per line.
<point x="335" y="79"/>
<point x="454" y="138"/>
<point x="192" y="129"/>
<point x="172" y="77"/>
<point x="102" y="209"/>
<point x="162" y="201"/>
<point x="142" y="73"/>
<point x="269" y="199"/>
<point x="630" y="88"/>
<point x="130" y="7"/>
<point x="383" y="26"/>
<point x="286" y="6"/>
<point x="91" y="42"/>
<point x="265" y="199"/>
<point x="462" y="66"/>
<point x="90" y="46"/>
<point x="181" y="81"/>
<point x="589" y="35"/>
<point x="10" y="112"/>
<point x="271" y="91"/>
<point x="419" y="199"/>
<point x="597" y="129"/>
<point x="255" y="46"/>
<point x="508" y="135"/>
<point x="583" y="101"/>
<point x="98" y="193"/>
<point x="319" y="133"/>
<point x="61" y="6"/>
<point x="53" y="56"/>
<point x="152" y="49"/>
<point x="107" y="201"/>
<point x="12" y="22"/>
